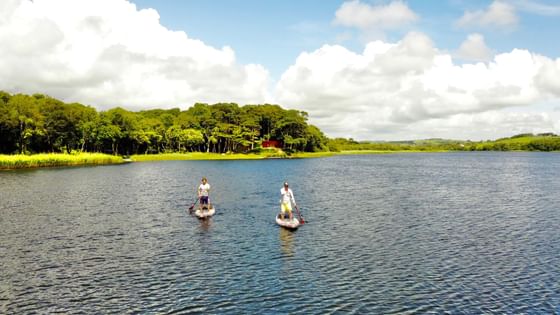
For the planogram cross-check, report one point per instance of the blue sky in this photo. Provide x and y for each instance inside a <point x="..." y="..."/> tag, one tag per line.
<point x="365" y="69"/>
<point x="274" y="33"/>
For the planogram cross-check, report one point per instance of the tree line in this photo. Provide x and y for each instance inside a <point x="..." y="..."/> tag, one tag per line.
<point x="522" y="142"/>
<point x="39" y="123"/>
<point x="546" y="142"/>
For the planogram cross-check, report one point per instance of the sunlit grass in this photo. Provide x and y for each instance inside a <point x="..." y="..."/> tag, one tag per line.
<point x="312" y="154"/>
<point x="59" y="159"/>
<point x="56" y="159"/>
<point x="349" y="152"/>
<point x="256" y="156"/>
<point x="194" y="156"/>
<point x="524" y="140"/>
<point x="264" y="154"/>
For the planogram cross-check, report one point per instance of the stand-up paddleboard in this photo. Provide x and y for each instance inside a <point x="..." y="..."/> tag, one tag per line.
<point x="205" y="212"/>
<point x="287" y="223"/>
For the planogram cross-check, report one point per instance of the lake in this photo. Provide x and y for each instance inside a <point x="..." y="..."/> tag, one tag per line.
<point x="399" y="233"/>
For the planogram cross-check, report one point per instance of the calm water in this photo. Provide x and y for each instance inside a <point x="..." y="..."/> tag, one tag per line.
<point x="410" y="233"/>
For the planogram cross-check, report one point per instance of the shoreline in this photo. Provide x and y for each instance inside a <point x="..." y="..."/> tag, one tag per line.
<point x="47" y="160"/>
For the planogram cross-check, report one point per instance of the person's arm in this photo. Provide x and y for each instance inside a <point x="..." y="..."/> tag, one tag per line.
<point x="293" y="198"/>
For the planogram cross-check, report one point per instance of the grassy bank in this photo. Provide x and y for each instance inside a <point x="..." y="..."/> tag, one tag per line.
<point x="255" y="156"/>
<point x="59" y="159"/>
<point x="303" y="155"/>
<point x="522" y="142"/>
<point x="56" y="159"/>
<point x="194" y="156"/>
<point x="349" y="152"/>
<point x="265" y="154"/>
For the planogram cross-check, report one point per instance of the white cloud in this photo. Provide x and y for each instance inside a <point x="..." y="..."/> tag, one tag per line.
<point x="488" y="125"/>
<point x="365" y="17"/>
<point x="412" y="86"/>
<point x="474" y="48"/>
<point x="108" y="53"/>
<point x="548" y="77"/>
<point x="498" y="14"/>
<point x="537" y="7"/>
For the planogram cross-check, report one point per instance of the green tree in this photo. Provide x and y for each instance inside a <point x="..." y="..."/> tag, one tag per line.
<point x="128" y="126"/>
<point x="41" y="123"/>
<point x="24" y="117"/>
<point x="8" y="134"/>
<point x="108" y="136"/>
<point x="316" y="140"/>
<point x="203" y="117"/>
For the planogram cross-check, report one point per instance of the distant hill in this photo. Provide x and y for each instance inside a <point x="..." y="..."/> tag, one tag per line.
<point x="432" y="141"/>
<point x="520" y="142"/>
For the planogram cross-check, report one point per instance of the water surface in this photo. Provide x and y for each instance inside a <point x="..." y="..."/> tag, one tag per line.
<point x="400" y="233"/>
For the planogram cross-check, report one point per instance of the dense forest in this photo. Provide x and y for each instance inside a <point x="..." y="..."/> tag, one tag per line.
<point x="39" y="123"/>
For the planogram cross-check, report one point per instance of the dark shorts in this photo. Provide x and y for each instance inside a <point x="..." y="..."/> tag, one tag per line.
<point x="204" y="200"/>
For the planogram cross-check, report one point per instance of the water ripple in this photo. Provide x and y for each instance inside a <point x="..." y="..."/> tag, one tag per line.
<point x="397" y="234"/>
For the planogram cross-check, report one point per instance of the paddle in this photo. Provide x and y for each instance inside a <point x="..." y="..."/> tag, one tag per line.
<point x="192" y="207"/>
<point x="301" y="220"/>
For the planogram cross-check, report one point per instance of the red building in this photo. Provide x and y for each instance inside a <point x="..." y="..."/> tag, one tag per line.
<point x="271" y="144"/>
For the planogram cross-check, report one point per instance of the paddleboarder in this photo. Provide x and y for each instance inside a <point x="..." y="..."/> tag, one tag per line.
<point x="286" y="201"/>
<point x="204" y="193"/>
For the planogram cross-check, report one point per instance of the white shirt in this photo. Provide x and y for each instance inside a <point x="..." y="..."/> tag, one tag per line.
<point x="287" y="195"/>
<point x="203" y="189"/>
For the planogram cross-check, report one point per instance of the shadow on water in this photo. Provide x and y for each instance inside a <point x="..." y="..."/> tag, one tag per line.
<point x="205" y="224"/>
<point x="286" y="242"/>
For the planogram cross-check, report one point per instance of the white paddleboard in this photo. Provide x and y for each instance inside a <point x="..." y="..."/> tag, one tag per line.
<point x="287" y="223"/>
<point x="205" y="213"/>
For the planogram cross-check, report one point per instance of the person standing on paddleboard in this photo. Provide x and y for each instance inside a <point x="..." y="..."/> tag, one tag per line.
<point x="286" y="201"/>
<point x="204" y="193"/>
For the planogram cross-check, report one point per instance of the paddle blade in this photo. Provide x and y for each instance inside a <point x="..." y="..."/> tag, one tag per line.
<point x="192" y="206"/>
<point x="301" y="220"/>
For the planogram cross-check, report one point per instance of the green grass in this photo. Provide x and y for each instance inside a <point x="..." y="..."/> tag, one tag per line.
<point x="56" y="159"/>
<point x="349" y="152"/>
<point x="517" y="140"/>
<point x="257" y="156"/>
<point x="304" y="155"/>
<point x="195" y="156"/>
<point x="524" y="140"/>
<point x="520" y="143"/>
<point x="265" y="154"/>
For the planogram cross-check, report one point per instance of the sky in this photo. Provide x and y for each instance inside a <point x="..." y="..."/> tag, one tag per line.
<point x="361" y="69"/>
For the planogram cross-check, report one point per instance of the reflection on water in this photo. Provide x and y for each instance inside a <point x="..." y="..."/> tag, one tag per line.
<point x="286" y="242"/>
<point x="466" y="233"/>
<point x="205" y="224"/>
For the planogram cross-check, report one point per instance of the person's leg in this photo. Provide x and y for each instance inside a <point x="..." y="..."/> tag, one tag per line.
<point x="289" y="208"/>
